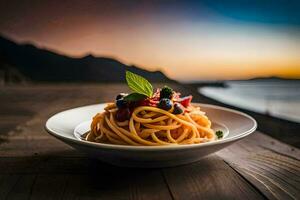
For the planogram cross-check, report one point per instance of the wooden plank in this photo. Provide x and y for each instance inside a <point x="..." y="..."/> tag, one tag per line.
<point x="22" y="188"/>
<point x="269" y="168"/>
<point x="7" y="182"/>
<point x="210" y="178"/>
<point x="118" y="184"/>
<point x="36" y="146"/>
<point x="48" y="186"/>
<point x="266" y="142"/>
<point x="67" y="178"/>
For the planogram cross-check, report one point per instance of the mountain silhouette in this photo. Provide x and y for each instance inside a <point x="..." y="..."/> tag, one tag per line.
<point x="45" y="66"/>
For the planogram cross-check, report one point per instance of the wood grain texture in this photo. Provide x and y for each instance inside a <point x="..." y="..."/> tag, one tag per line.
<point x="209" y="178"/>
<point x="271" y="169"/>
<point x="69" y="178"/>
<point x="37" y="166"/>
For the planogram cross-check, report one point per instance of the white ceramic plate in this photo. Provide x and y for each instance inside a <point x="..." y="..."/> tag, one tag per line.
<point x="69" y="125"/>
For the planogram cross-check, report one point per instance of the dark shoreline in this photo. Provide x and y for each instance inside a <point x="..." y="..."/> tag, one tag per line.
<point x="281" y="129"/>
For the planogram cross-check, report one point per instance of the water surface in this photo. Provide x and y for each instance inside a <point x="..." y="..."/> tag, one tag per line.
<point x="274" y="97"/>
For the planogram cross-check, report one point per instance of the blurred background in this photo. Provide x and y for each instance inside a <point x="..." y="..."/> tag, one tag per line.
<point x="242" y="53"/>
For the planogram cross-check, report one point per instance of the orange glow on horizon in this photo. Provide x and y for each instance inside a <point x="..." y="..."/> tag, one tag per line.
<point x="184" y="50"/>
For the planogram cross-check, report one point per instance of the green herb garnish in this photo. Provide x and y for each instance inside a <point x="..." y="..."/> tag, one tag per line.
<point x="219" y="134"/>
<point x="134" y="97"/>
<point x="138" y="84"/>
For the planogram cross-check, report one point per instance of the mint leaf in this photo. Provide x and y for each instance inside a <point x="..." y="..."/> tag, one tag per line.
<point x="134" y="97"/>
<point x="138" y="84"/>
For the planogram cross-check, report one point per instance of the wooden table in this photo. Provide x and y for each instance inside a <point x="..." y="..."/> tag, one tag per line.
<point x="34" y="165"/>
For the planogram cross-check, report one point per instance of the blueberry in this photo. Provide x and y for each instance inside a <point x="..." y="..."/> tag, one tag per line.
<point x="121" y="103"/>
<point x="121" y="95"/>
<point x="165" y="104"/>
<point x="123" y="114"/>
<point x="178" y="109"/>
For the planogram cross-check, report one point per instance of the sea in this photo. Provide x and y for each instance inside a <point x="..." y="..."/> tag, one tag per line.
<point x="278" y="98"/>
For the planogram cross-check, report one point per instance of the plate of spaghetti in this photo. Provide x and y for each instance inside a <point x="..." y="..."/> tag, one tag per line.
<point x="148" y="128"/>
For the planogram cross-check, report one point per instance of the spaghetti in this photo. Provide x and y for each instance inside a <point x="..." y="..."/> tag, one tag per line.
<point x="144" y="118"/>
<point x="151" y="126"/>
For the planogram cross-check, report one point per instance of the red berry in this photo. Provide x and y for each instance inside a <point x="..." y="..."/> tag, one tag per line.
<point x="123" y="114"/>
<point x="144" y="102"/>
<point x="186" y="101"/>
<point x="154" y="102"/>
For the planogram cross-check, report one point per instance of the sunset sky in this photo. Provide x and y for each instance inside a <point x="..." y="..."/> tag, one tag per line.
<point x="187" y="40"/>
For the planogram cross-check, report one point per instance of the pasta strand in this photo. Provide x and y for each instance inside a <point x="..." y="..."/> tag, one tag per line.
<point x="151" y="126"/>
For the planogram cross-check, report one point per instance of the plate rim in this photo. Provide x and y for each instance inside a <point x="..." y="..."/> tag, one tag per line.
<point x="152" y="148"/>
